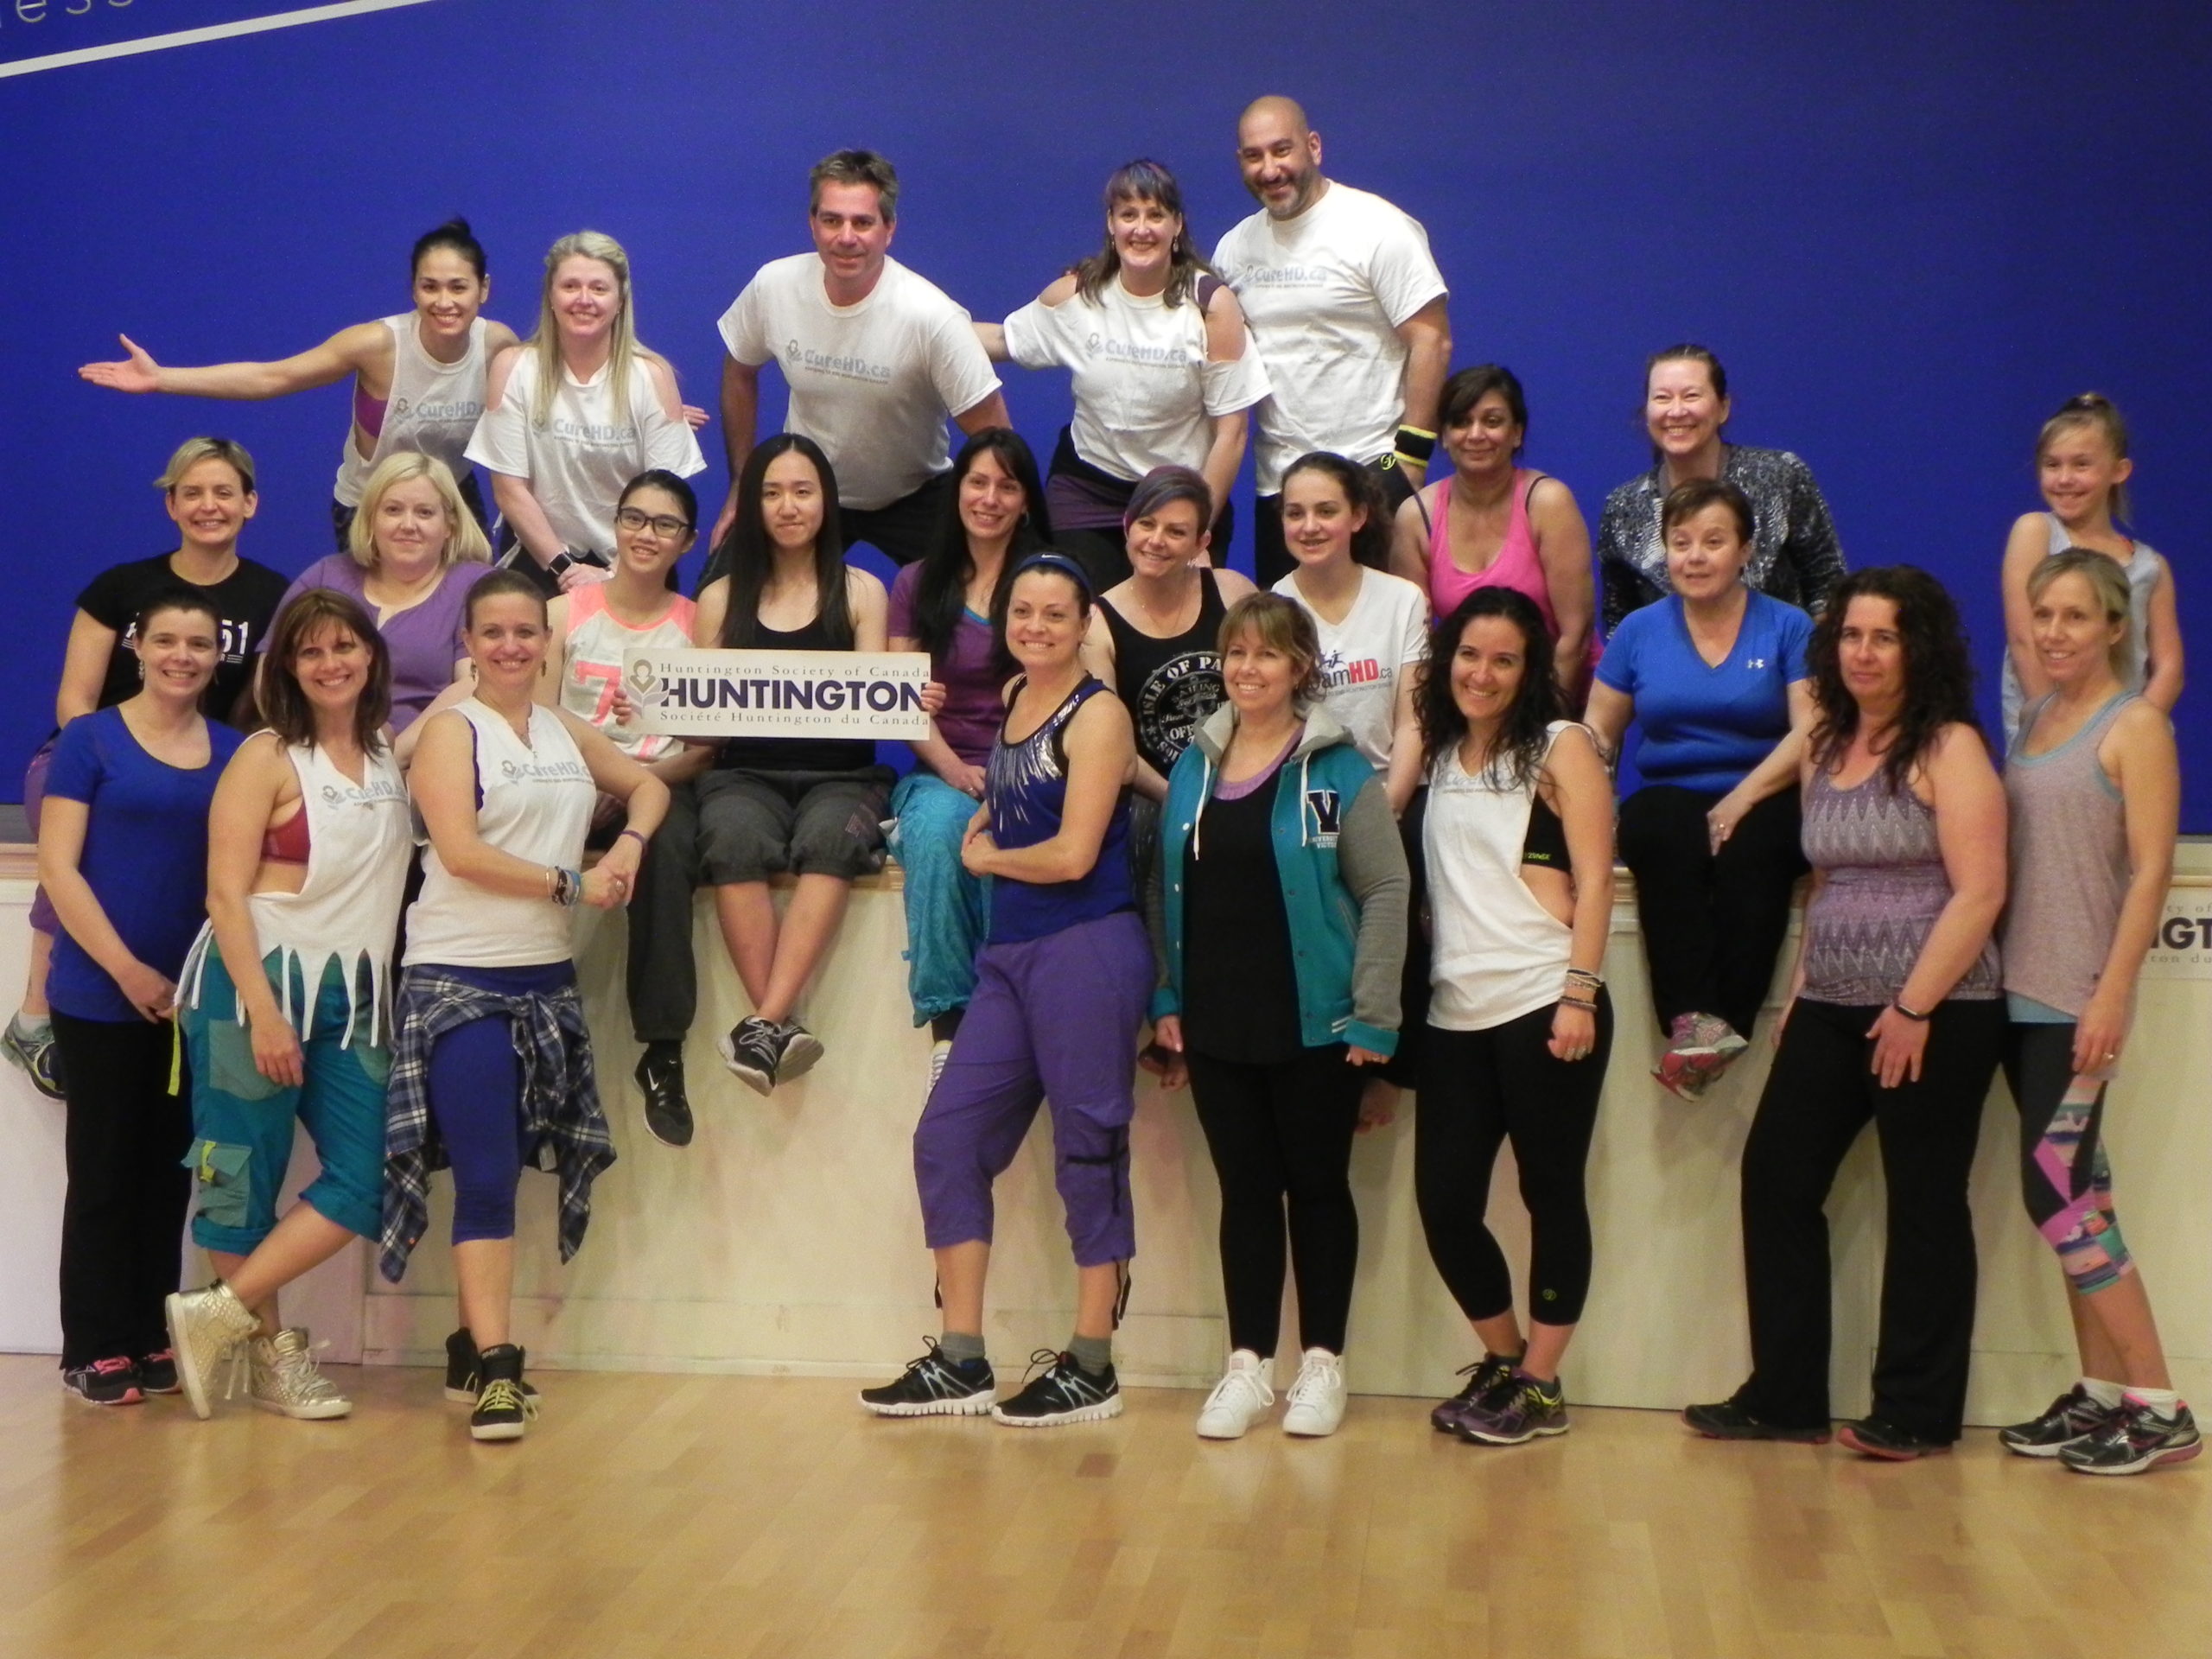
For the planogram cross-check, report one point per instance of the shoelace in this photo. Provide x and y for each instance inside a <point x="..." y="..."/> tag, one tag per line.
<point x="501" y="1395"/>
<point x="1249" y="1383"/>
<point x="1313" y="1380"/>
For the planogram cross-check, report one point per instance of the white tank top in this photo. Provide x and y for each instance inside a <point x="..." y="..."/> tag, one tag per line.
<point x="359" y="838"/>
<point x="533" y="800"/>
<point x="1498" y="953"/>
<point x="591" y="662"/>
<point x="432" y="410"/>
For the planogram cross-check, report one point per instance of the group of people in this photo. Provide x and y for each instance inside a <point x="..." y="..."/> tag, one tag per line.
<point x="1348" y="830"/>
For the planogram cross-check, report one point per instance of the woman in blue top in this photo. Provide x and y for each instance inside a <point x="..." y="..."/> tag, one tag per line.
<point x="1715" y="679"/>
<point x="1060" y="990"/>
<point x="1280" y="912"/>
<point x="123" y="854"/>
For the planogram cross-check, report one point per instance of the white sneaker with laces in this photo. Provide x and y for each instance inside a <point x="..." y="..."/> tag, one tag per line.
<point x="1241" y="1399"/>
<point x="1317" y="1397"/>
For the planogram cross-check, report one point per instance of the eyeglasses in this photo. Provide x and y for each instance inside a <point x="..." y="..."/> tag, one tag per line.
<point x="666" y="527"/>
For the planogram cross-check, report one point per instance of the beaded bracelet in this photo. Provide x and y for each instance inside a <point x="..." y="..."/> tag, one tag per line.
<point x="1583" y="1003"/>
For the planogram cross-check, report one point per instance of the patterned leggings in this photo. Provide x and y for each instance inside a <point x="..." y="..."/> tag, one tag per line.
<point x="2064" y="1175"/>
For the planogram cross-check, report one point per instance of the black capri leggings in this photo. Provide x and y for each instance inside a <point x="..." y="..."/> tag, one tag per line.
<point x="1478" y="1088"/>
<point x="1281" y="1135"/>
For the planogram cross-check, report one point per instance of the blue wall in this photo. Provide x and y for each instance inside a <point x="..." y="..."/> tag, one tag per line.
<point x="1910" y="236"/>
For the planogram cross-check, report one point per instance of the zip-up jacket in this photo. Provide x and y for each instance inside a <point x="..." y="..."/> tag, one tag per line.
<point x="1343" y="870"/>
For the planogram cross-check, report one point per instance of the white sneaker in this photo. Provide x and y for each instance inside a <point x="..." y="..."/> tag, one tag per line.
<point x="1316" y="1399"/>
<point x="1241" y="1399"/>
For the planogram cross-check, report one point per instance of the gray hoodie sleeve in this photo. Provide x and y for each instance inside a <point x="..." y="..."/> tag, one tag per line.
<point x="1372" y="862"/>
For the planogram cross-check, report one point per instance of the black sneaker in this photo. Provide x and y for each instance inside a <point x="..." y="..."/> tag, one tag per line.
<point x="2068" y="1418"/>
<point x="157" y="1373"/>
<point x="1483" y="1375"/>
<point x="503" y="1410"/>
<point x="802" y="1048"/>
<point x="1726" y="1421"/>
<point x="1871" y="1437"/>
<point x="660" y="1075"/>
<point x="40" y="1057"/>
<point x="104" y="1382"/>
<point x="2134" y="1440"/>
<point x="464" y="1370"/>
<point x="934" y="1386"/>
<point x="1063" y="1392"/>
<point x="753" y="1049"/>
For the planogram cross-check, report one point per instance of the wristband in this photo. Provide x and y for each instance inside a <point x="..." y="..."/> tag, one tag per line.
<point x="559" y="562"/>
<point x="1584" y="1003"/>
<point x="1413" y="443"/>
<point x="1913" y="1014"/>
<point x="643" y="844"/>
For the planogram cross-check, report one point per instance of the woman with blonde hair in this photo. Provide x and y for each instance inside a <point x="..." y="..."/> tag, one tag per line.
<point x="412" y="553"/>
<point x="575" y="412"/>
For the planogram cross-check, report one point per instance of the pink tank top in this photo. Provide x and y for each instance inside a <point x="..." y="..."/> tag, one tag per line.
<point x="1516" y="565"/>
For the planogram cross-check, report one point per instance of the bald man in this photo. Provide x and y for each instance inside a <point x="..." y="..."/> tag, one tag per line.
<point x="1347" y="307"/>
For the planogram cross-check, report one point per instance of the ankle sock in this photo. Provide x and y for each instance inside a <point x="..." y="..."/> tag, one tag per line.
<point x="2163" y="1402"/>
<point x="33" y="1028"/>
<point x="1094" y="1354"/>
<point x="960" y="1348"/>
<point x="2104" y="1394"/>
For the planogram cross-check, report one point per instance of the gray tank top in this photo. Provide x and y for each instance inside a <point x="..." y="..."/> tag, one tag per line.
<point x="2070" y="866"/>
<point x="2144" y="570"/>
<point x="1884" y="887"/>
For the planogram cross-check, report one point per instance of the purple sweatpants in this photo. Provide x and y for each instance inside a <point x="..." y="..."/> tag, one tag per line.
<point x="1053" y="1019"/>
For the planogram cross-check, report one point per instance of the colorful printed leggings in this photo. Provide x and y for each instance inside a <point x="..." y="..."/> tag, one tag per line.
<point x="2064" y="1175"/>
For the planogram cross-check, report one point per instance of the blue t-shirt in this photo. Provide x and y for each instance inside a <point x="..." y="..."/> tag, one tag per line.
<point x="145" y="855"/>
<point x="1705" y="727"/>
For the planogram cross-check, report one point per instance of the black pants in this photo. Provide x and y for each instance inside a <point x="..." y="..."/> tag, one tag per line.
<point x="1479" y="1088"/>
<point x="902" y="531"/>
<point x="1711" y="923"/>
<point x="662" y="973"/>
<point x="1818" y="1097"/>
<point x="1271" y="560"/>
<point x="123" y="1221"/>
<point x="1403" y="1067"/>
<point x="1281" y="1136"/>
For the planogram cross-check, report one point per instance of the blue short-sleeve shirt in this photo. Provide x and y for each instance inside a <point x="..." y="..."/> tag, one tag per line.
<point x="1705" y="726"/>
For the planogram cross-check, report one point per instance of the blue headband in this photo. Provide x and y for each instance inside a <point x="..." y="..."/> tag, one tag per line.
<point x="1059" y="564"/>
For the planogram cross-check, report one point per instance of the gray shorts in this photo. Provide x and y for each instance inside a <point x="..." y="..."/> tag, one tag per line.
<point x="754" y="825"/>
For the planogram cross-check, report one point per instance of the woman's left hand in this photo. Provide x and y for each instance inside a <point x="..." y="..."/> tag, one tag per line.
<point x="1574" y="1033"/>
<point x="1899" y="1044"/>
<point x="2099" y="1034"/>
<point x="582" y="573"/>
<point x="695" y="417"/>
<point x="933" y="698"/>
<point x="1355" y="1055"/>
<point x="977" y="849"/>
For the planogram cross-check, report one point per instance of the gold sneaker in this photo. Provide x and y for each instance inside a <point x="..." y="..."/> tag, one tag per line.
<point x="282" y="1376"/>
<point x="206" y="1327"/>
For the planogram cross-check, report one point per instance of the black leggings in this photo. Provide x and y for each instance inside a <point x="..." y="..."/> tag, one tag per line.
<point x="2065" y="1179"/>
<point x="1711" y="923"/>
<point x="1281" y="1133"/>
<point x="1818" y="1098"/>
<point x="123" y="1219"/>
<point x="1479" y="1088"/>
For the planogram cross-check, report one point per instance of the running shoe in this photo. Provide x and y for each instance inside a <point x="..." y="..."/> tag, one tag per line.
<point x="1518" y="1410"/>
<point x="751" y="1050"/>
<point x="934" y="1386"/>
<point x="1871" y="1437"/>
<point x="39" y="1056"/>
<point x="1061" y="1393"/>
<point x="157" y="1373"/>
<point x="1483" y="1375"/>
<point x="668" y="1110"/>
<point x="800" y="1048"/>
<point x="1726" y="1421"/>
<point x="2069" y="1418"/>
<point x="104" y="1382"/>
<point x="2134" y="1442"/>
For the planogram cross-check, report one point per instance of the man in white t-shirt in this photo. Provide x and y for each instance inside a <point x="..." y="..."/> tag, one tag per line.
<point x="876" y="358"/>
<point x="1347" y="307"/>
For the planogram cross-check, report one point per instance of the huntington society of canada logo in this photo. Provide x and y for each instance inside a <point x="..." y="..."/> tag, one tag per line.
<point x="2181" y="948"/>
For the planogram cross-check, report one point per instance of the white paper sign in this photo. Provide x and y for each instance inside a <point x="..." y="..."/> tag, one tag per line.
<point x="687" y="692"/>
<point x="2181" y="948"/>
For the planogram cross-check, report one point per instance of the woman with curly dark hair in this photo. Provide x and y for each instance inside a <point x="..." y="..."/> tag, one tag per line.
<point x="1894" y="1015"/>
<point x="1518" y="845"/>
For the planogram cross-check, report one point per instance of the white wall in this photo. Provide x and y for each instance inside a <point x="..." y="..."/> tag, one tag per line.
<point x="786" y="1239"/>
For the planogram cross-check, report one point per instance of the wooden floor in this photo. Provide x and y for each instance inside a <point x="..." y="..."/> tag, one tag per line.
<point x="742" y="1516"/>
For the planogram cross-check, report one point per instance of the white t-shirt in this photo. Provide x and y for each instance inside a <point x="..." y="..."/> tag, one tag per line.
<point x="1324" y="292"/>
<point x="578" y="461"/>
<point x="592" y="654"/>
<point x="872" y="383"/>
<point x="1144" y="392"/>
<point x="1363" y="656"/>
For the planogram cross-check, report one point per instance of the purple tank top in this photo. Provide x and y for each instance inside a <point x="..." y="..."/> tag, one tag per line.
<point x="1027" y="791"/>
<point x="1884" y="887"/>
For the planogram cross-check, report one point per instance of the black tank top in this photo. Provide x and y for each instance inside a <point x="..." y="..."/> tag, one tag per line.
<point x="1170" y="685"/>
<point x="795" y="753"/>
